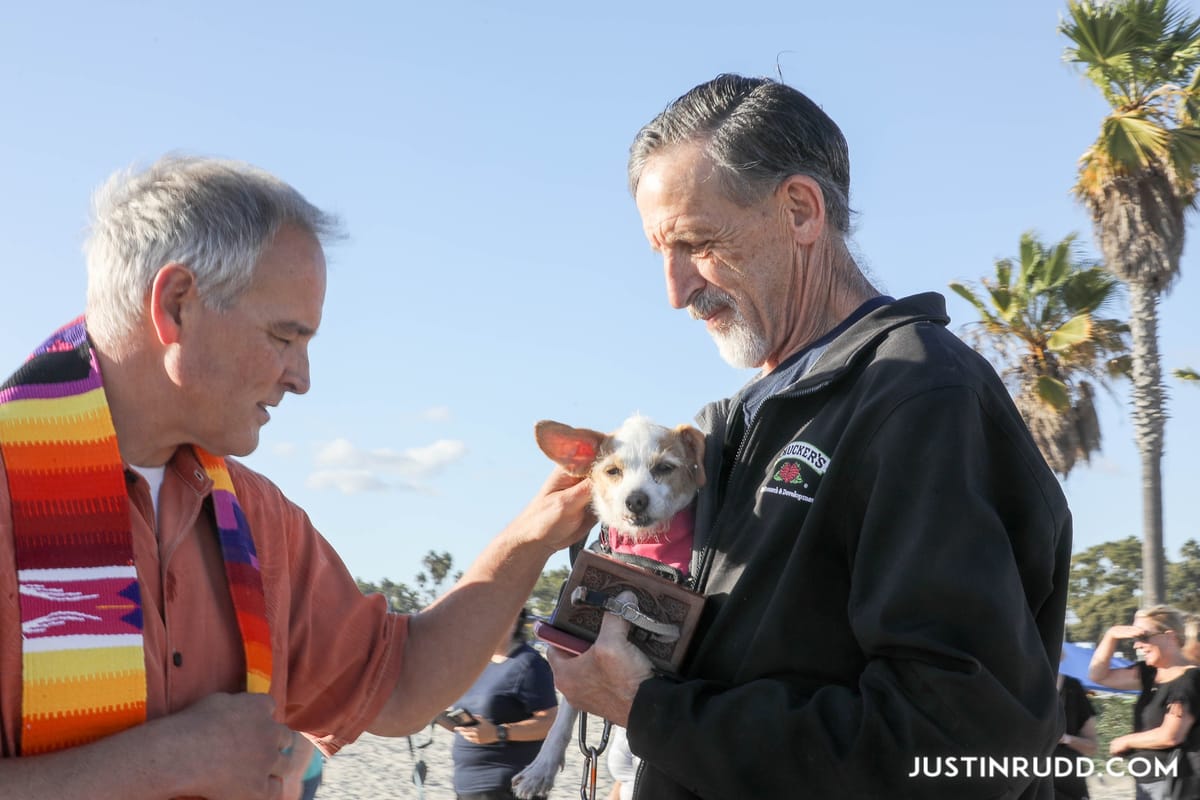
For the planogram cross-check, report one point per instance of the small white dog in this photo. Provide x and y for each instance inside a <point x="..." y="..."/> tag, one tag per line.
<point x="644" y="479"/>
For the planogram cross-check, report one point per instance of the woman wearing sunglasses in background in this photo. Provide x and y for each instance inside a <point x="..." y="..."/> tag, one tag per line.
<point x="1164" y="717"/>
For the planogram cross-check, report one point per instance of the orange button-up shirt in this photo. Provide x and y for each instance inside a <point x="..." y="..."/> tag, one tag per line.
<point x="336" y="654"/>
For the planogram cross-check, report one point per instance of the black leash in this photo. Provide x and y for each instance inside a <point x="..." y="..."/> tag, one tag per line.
<point x="420" y="770"/>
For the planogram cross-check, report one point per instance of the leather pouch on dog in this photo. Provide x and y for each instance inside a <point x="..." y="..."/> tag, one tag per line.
<point x="662" y="623"/>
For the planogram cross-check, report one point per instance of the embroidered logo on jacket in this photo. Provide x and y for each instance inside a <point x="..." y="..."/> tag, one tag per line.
<point x="797" y="472"/>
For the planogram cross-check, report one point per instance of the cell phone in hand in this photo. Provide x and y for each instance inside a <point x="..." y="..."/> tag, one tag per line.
<point x="560" y="638"/>
<point x="453" y="718"/>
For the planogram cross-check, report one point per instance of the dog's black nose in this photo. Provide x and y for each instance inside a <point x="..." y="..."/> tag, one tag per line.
<point x="637" y="502"/>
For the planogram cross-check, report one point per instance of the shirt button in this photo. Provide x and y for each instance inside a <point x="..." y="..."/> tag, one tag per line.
<point x="177" y="659"/>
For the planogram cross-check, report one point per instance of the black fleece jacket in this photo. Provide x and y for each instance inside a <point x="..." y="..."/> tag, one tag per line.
<point x="886" y="555"/>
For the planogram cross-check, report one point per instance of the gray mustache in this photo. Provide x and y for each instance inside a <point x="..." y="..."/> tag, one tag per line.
<point x="709" y="301"/>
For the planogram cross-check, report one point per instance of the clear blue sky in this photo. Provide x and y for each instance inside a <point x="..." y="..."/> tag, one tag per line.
<point x="495" y="272"/>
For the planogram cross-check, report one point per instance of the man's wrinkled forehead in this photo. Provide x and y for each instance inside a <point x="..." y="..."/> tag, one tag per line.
<point x="673" y="186"/>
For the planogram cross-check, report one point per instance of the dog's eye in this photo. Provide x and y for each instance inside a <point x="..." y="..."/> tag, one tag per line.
<point x="613" y="472"/>
<point x="662" y="470"/>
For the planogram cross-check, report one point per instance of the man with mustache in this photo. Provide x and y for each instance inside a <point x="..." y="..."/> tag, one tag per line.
<point x="884" y="550"/>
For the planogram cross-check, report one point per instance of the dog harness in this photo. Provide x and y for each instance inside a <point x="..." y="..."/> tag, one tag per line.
<point x="83" y="660"/>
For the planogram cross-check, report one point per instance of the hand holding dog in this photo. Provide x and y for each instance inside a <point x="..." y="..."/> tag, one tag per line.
<point x="604" y="679"/>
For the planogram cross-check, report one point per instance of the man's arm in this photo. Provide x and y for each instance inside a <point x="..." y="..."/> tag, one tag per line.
<point x="227" y="745"/>
<point x="450" y="642"/>
<point x="448" y="645"/>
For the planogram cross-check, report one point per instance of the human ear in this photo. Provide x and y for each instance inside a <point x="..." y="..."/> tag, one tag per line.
<point x="804" y="203"/>
<point x="173" y="288"/>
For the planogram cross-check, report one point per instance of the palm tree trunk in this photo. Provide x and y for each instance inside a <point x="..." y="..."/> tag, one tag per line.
<point x="1149" y="416"/>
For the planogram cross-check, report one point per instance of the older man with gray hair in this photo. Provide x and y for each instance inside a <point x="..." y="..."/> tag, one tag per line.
<point x="884" y="550"/>
<point x="170" y="617"/>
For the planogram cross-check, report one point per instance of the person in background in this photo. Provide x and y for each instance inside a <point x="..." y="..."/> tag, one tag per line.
<point x="1191" y="647"/>
<point x="884" y="550"/>
<point x="1079" y="739"/>
<point x="217" y="621"/>
<point x="514" y="705"/>
<point x="1164" y="716"/>
<point x="622" y="765"/>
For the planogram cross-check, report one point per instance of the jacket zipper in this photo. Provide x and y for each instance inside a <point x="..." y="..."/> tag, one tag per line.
<point x="700" y="580"/>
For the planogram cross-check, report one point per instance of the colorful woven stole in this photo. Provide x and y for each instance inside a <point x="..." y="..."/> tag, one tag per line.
<point x="84" y="667"/>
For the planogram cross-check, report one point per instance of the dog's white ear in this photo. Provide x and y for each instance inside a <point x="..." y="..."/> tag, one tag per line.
<point x="573" y="449"/>
<point x="693" y="440"/>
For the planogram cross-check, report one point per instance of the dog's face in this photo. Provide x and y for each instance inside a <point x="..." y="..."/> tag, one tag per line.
<point x="642" y="474"/>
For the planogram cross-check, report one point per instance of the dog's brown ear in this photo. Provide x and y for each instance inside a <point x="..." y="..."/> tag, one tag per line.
<point x="573" y="449"/>
<point x="693" y="440"/>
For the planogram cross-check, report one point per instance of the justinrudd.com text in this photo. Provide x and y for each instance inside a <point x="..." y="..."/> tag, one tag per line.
<point x="1037" y="767"/>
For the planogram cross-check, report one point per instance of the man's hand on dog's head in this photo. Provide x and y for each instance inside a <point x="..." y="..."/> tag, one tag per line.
<point x="603" y="680"/>
<point x="560" y="514"/>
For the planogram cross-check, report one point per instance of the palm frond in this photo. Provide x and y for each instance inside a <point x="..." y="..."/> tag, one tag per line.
<point x="1075" y="331"/>
<point x="1131" y="142"/>
<point x="1102" y="38"/>
<point x="1053" y="392"/>
<point x="1184" y="155"/>
<point x="1091" y="289"/>
<point x="1002" y="299"/>
<point x="1129" y="48"/>
<point x="967" y="294"/>
<point x="1050" y="342"/>
<point x="1058" y="264"/>
<point x="1030" y="255"/>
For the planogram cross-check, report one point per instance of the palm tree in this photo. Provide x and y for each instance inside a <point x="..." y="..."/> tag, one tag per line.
<point x="1041" y="325"/>
<point x="1137" y="180"/>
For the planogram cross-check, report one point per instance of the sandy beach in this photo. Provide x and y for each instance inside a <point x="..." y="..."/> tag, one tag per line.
<point x="1111" y="788"/>
<point x="374" y="768"/>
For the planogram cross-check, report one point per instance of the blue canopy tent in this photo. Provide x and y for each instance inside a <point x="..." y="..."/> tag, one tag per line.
<point x="1075" y="663"/>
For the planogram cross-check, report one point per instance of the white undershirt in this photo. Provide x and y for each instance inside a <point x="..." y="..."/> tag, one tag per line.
<point x="154" y="477"/>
